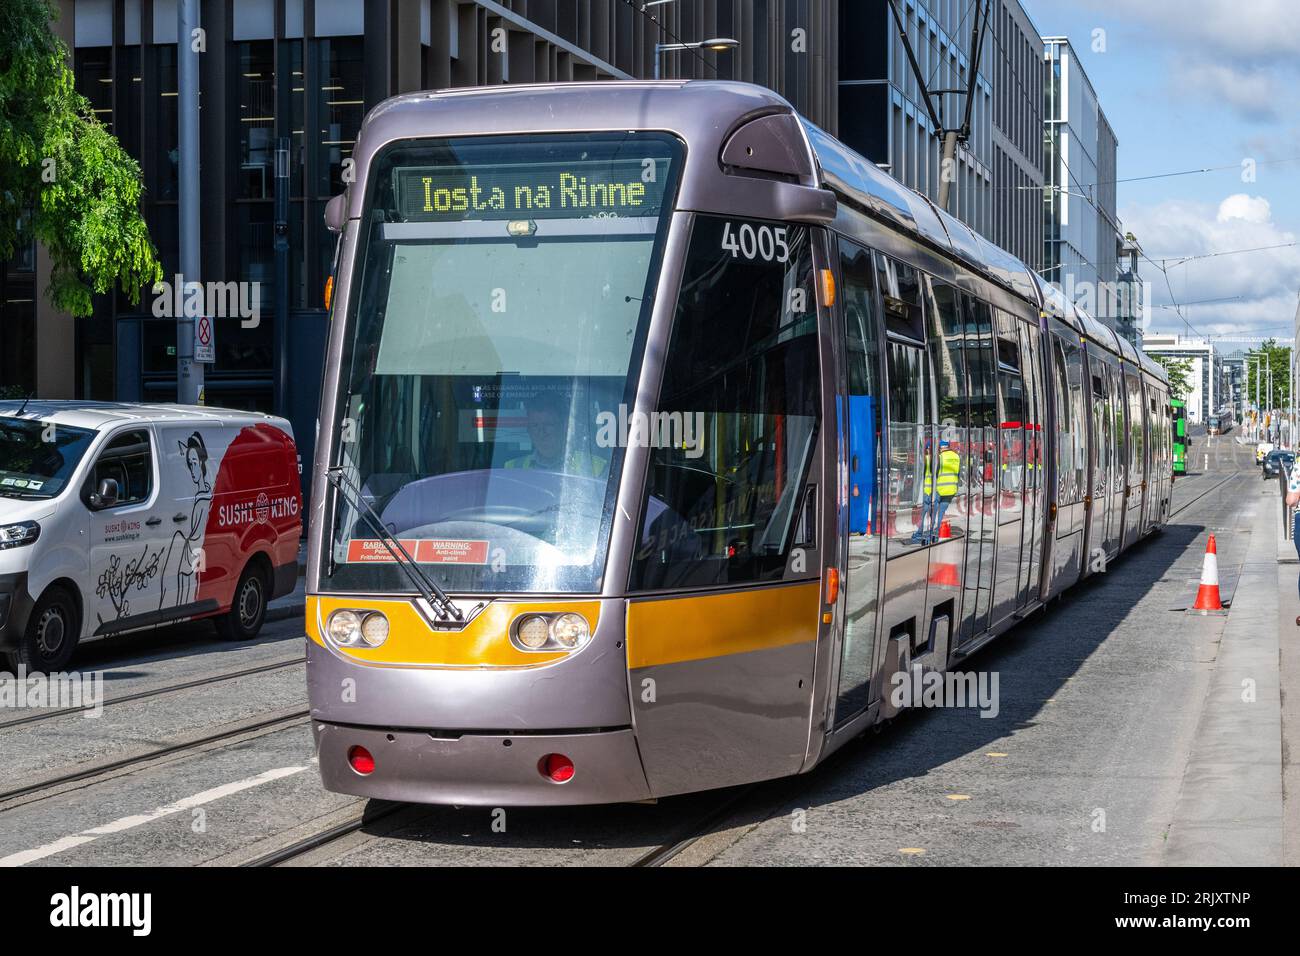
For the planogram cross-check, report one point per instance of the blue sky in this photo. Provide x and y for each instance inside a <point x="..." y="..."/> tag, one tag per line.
<point x="1188" y="84"/>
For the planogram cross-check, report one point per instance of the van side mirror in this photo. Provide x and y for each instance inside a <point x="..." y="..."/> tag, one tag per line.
<point x="107" y="494"/>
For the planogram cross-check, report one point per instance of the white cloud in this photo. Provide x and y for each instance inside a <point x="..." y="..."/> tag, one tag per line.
<point x="1247" y="31"/>
<point x="1252" y="93"/>
<point x="1262" y="285"/>
<point x="1236" y="54"/>
<point x="1241" y="206"/>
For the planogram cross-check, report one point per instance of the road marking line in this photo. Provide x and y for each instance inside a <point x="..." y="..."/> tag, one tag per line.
<point x="138" y="819"/>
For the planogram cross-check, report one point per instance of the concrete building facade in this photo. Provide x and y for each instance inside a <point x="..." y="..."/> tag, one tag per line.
<point x="1207" y="392"/>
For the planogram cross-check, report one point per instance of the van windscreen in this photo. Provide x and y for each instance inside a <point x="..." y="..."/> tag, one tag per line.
<point x="37" y="458"/>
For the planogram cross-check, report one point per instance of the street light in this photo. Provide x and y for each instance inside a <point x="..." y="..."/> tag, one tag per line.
<point x="717" y="44"/>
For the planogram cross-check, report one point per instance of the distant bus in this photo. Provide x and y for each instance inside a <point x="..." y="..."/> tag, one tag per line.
<point x="1178" y="410"/>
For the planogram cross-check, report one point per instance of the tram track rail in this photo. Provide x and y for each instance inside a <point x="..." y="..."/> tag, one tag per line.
<point x="153" y="692"/>
<point x="52" y="785"/>
<point x="1214" y="487"/>
<point x="330" y="835"/>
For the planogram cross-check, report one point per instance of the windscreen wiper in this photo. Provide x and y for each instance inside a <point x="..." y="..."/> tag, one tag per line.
<point x="428" y="588"/>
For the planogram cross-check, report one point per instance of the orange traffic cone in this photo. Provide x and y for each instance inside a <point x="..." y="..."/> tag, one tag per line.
<point x="943" y="573"/>
<point x="1207" y="597"/>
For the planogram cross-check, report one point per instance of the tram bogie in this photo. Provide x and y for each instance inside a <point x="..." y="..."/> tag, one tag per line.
<point x="656" y="485"/>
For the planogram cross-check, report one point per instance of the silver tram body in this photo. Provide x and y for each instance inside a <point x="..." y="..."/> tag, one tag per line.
<point x="737" y="658"/>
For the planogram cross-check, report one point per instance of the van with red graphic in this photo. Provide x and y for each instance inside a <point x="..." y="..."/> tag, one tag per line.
<point x="118" y="518"/>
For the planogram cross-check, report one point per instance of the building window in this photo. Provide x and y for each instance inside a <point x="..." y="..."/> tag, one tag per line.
<point x="254" y="63"/>
<point x="340" y="108"/>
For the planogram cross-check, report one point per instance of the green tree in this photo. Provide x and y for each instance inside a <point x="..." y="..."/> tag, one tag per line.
<point x="65" y="180"/>
<point x="1179" y="371"/>
<point x="1258" y="362"/>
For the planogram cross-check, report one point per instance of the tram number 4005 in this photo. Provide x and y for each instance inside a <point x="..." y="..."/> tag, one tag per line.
<point x="750" y="242"/>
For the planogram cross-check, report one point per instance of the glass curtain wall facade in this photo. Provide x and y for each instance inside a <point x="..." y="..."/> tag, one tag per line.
<point x="307" y="71"/>
<point x="1082" y="235"/>
<point x="1017" y="133"/>
<point x="882" y="112"/>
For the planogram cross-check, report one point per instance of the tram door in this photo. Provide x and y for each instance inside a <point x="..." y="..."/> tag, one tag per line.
<point x="1101" y="450"/>
<point x="1010" y="476"/>
<point x="982" y="467"/>
<point x="1133" y="503"/>
<point x="860" y="409"/>
<point x="1113" y="490"/>
<point x="1034" y="504"/>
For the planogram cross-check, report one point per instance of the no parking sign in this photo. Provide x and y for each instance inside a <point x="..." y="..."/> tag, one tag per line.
<point x="204" y="350"/>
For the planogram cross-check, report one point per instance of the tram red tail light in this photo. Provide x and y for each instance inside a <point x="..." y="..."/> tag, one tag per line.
<point x="557" y="767"/>
<point x="360" y="760"/>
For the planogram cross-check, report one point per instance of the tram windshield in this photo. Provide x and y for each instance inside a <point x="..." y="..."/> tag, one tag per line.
<point x="496" y="324"/>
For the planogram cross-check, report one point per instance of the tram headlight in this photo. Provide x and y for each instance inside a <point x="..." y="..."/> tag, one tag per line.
<point x="344" y="628"/>
<point x="570" y="630"/>
<point x="374" y="628"/>
<point x="533" y="632"/>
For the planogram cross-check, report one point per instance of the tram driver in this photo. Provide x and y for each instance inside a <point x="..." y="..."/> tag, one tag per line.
<point x="548" y="421"/>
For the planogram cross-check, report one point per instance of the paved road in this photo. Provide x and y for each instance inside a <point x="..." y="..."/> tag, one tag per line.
<point x="1117" y="741"/>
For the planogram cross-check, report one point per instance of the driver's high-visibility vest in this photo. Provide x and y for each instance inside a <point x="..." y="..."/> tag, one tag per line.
<point x="949" y="473"/>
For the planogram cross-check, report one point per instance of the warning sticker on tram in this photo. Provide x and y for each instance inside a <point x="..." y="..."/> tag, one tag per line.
<point x="424" y="550"/>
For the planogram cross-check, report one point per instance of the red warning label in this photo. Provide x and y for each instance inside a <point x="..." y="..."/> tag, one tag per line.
<point x="424" y="550"/>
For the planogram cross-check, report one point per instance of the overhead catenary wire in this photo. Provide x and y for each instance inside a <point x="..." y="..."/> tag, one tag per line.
<point x="694" y="51"/>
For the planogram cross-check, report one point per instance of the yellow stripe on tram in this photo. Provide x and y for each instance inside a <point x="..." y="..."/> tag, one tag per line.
<point x="673" y="629"/>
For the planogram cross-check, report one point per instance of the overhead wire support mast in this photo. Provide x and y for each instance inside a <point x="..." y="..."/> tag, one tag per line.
<point x="951" y="135"/>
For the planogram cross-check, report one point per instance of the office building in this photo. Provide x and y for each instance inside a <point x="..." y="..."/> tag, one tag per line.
<point x="1083" y="235"/>
<point x="1207" y="393"/>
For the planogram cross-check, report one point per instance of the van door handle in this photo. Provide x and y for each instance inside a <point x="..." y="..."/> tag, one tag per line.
<point x="182" y="516"/>
<point x="154" y="521"/>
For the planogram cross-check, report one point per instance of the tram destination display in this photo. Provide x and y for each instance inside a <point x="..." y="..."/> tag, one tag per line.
<point x="622" y="188"/>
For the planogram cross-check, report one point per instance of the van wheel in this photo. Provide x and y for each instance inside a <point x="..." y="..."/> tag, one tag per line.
<point x="247" y="609"/>
<point x="52" y="633"/>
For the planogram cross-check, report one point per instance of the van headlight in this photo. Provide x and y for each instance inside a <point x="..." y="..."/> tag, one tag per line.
<point x="18" y="534"/>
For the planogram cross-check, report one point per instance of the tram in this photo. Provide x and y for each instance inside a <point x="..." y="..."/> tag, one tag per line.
<point x="660" y="431"/>
<point x="1221" y="422"/>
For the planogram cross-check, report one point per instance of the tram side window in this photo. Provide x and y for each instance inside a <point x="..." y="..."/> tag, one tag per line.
<point x="1136" y="443"/>
<point x="1071" y="465"/>
<point x="858" y="307"/>
<point x="900" y="294"/>
<point x="948" y="360"/>
<point x="1011" y="394"/>
<point x="982" y="363"/>
<point x="910" y="447"/>
<point x="742" y="366"/>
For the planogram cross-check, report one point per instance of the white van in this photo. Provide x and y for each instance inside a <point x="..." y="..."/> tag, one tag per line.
<point x="117" y="517"/>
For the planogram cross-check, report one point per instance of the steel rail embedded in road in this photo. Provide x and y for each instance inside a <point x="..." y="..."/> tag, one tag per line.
<point x="100" y="770"/>
<point x="156" y="692"/>
<point x="323" y="838"/>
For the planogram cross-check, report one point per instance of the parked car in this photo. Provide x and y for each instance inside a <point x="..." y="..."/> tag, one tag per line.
<point x="1275" y="460"/>
<point x="1262" y="450"/>
<point x="117" y="518"/>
